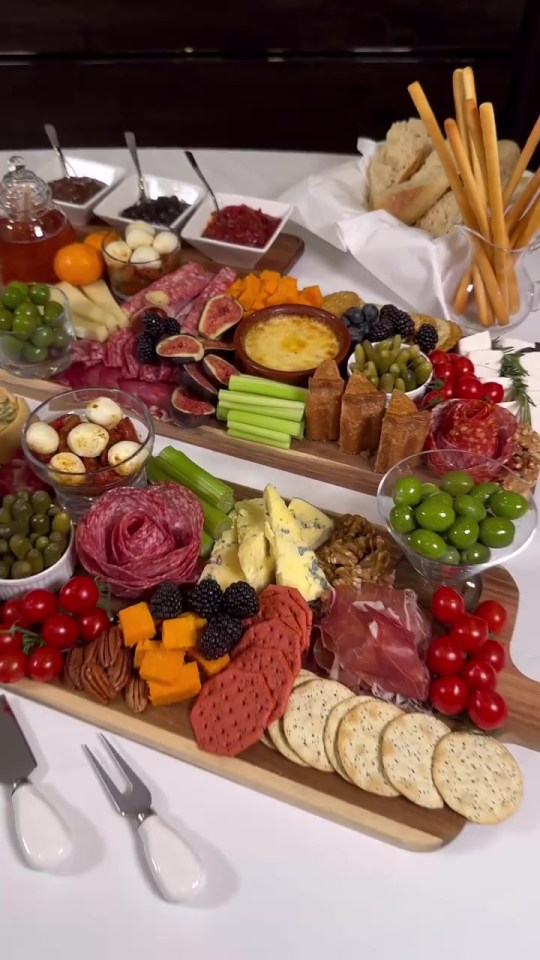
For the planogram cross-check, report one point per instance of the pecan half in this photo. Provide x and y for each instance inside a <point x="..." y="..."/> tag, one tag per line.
<point x="119" y="671"/>
<point x="72" y="668"/>
<point x="96" y="682"/>
<point x="91" y="652"/>
<point x="136" y="694"/>
<point x="110" y="644"/>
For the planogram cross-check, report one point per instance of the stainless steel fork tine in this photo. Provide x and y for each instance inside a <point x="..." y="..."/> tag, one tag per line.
<point x="114" y="792"/>
<point x="143" y="794"/>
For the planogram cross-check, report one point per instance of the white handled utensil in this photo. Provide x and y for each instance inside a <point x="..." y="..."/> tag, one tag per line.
<point x="41" y="832"/>
<point x="174" y="867"/>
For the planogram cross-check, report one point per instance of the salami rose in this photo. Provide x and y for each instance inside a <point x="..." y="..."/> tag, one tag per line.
<point x="479" y="429"/>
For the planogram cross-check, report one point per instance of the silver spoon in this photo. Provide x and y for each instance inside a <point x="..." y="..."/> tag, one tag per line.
<point x="55" y="144"/>
<point x="193" y="163"/>
<point x="132" y="147"/>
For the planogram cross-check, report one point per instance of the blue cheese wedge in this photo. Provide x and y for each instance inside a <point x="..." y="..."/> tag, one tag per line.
<point x="223" y="564"/>
<point x="316" y="527"/>
<point x="254" y="554"/>
<point x="296" y="563"/>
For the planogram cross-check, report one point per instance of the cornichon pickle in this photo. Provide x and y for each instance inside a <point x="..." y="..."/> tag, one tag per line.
<point x="386" y="383"/>
<point x="35" y="559"/>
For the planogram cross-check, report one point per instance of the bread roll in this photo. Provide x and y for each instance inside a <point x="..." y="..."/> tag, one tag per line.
<point x="409" y="201"/>
<point x="406" y="147"/>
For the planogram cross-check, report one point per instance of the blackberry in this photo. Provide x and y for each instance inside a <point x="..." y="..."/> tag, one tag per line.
<point x="206" y="598"/>
<point x="219" y="637"/>
<point x="153" y="325"/>
<point x="240" y="600"/>
<point x="166" y="601"/>
<point x="382" y="329"/>
<point x="169" y="327"/>
<point x="144" y="349"/>
<point x="402" y="323"/>
<point x="426" y="338"/>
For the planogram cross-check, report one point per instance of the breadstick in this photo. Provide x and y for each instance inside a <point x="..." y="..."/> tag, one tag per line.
<point x="459" y="106"/>
<point x="502" y="261"/>
<point x="527" y="227"/>
<point x="500" y="307"/>
<point x="469" y="182"/>
<point x="519" y="207"/>
<point x="485" y="313"/>
<point x="463" y="289"/>
<point x="475" y="130"/>
<point x="532" y="142"/>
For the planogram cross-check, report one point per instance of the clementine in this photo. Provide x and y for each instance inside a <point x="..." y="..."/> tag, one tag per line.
<point x="78" y="263"/>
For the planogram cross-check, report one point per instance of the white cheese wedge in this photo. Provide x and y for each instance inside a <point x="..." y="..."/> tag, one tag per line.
<point x="296" y="564"/>
<point x="316" y="527"/>
<point x="531" y="363"/>
<point x="487" y="358"/>
<point x="534" y="396"/>
<point x="223" y="564"/>
<point x="511" y="343"/>
<point x="485" y="373"/>
<point x="253" y="549"/>
<point x="477" y="341"/>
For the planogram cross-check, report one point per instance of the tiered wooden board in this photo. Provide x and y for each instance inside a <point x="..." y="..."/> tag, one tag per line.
<point x="395" y="820"/>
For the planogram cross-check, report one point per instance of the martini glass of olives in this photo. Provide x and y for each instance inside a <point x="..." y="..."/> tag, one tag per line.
<point x="452" y="523"/>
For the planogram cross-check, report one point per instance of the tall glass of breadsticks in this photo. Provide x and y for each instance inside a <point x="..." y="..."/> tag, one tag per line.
<point x="501" y="222"/>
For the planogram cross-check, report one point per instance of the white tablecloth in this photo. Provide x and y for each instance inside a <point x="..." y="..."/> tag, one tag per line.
<point x="282" y="883"/>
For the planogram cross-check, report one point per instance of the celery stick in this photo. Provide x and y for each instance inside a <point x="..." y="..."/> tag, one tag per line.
<point x="215" y="521"/>
<point x="267" y="388"/>
<point x="228" y="397"/>
<point x="206" y="545"/>
<point x="221" y="413"/>
<point x="237" y="418"/>
<point x="155" y="472"/>
<point x="199" y="481"/>
<point x="263" y="432"/>
<point x="283" y="444"/>
<point x="282" y="413"/>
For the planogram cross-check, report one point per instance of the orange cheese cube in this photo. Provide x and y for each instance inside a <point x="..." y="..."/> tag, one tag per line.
<point x="162" y="666"/>
<point x="137" y="624"/>
<point x="181" y="632"/>
<point x="144" y="646"/>
<point x="186" y="686"/>
<point x="209" y="667"/>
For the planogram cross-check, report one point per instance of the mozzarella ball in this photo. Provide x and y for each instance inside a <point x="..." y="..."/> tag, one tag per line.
<point x="87" y="440"/>
<point x="136" y="237"/>
<point x="125" y="450"/>
<point x="147" y="256"/>
<point x="141" y="225"/>
<point x="118" y="250"/>
<point x="105" y="411"/>
<point x="165" y="242"/>
<point x="71" y="469"/>
<point x="42" y="438"/>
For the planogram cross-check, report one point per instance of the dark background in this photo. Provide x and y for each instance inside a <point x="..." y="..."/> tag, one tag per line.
<point x="281" y="74"/>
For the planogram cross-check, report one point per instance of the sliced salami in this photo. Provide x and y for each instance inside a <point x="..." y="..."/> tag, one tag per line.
<point x="180" y="287"/>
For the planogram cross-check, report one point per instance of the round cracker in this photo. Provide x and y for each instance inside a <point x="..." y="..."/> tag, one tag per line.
<point x="280" y="742"/>
<point x="305" y="719"/>
<point x="358" y="745"/>
<point x="331" y="730"/>
<point x="477" y="777"/>
<point x="407" y="747"/>
<point x="266" y="740"/>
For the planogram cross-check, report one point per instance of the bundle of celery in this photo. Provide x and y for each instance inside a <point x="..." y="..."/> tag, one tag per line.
<point x="263" y="411"/>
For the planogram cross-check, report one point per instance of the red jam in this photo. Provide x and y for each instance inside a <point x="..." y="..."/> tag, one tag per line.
<point x="242" y="225"/>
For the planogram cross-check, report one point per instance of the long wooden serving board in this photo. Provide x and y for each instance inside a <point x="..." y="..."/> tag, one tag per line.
<point x="394" y="820"/>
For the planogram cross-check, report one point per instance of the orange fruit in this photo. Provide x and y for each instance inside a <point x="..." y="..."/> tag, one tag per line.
<point x="78" y="263"/>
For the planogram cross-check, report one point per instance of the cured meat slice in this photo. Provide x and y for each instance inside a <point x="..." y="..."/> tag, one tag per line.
<point x="477" y="429"/>
<point x="219" y="284"/>
<point x="134" y="539"/>
<point x="180" y="287"/>
<point x="232" y="712"/>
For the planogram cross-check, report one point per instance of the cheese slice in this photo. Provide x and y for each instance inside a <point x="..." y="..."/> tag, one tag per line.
<point x="296" y="563"/>
<point x="477" y="341"/>
<point x="487" y="358"/>
<point x="253" y="549"/>
<point x="513" y="343"/>
<point x="316" y="527"/>
<point x="223" y="564"/>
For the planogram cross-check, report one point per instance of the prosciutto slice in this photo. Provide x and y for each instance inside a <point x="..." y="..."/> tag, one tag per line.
<point x="373" y="638"/>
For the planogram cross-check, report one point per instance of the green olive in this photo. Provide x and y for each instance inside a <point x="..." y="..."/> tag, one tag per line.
<point x="9" y="500"/>
<point x="476" y="553"/>
<point x="40" y="501"/>
<point x="41" y="543"/>
<point x="463" y="533"/>
<point x="451" y="556"/>
<point x="456" y="482"/>
<point x="19" y="545"/>
<point x="507" y="503"/>
<point x="428" y="544"/>
<point x="497" y="532"/>
<point x="402" y="519"/>
<point x="62" y="523"/>
<point x="467" y="506"/>
<point x="484" y="490"/>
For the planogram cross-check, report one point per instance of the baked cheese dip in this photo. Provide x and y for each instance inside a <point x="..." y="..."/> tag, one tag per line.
<point x="291" y="342"/>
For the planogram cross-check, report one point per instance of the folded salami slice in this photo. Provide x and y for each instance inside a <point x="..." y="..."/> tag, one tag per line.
<point x="180" y="287"/>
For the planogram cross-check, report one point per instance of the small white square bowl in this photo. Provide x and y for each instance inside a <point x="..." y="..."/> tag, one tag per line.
<point x="127" y="193"/>
<point x="232" y="254"/>
<point x="79" y="214"/>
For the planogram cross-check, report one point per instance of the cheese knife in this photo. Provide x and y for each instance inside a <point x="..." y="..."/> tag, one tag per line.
<point x="42" y="834"/>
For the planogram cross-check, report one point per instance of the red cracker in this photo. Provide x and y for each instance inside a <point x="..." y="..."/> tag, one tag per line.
<point x="272" y="663"/>
<point x="232" y="711"/>
<point x="276" y="635"/>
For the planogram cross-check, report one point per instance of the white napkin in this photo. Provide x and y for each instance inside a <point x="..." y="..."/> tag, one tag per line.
<point x="422" y="272"/>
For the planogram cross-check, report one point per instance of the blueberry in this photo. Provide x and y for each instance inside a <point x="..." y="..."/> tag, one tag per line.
<point x="355" y="316"/>
<point x="371" y="312"/>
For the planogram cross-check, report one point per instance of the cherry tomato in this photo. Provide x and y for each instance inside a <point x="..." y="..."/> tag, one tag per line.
<point x="453" y="358"/>
<point x="449" y="694"/>
<point x="479" y="674"/>
<point x="463" y="367"/>
<point x="60" y="631"/>
<point x="12" y="666"/>
<point x="447" y="605"/>
<point x="487" y="709"/>
<point x="492" y="652"/>
<point x="445" y="655"/>
<point x="493" y="613"/>
<point x="438" y="356"/>
<point x="471" y="632"/>
<point x="38" y="605"/>
<point x="468" y="388"/>
<point x="45" y="663"/>
<point x="433" y="397"/>
<point x="493" y="392"/>
<point x="11" y="612"/>
<point x="443" y="371"/>
<point x="79" y="595"/>
<point x="9" y="642"/>
<point x="92" y="624"/>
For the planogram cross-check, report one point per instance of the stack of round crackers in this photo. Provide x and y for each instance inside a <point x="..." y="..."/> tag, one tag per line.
<point x="380" y="748"/>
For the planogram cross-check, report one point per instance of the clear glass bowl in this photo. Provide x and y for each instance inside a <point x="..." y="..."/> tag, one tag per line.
<point x="431" y="573"/>
<point x="127" y="279"/>
<point x="58" y="358"/>
<point x="77" y="492"/>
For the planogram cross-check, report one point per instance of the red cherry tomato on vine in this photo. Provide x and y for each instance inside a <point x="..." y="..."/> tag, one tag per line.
<point x="443" y="371"/>
<point x="449" y="695"/>
<point x="492" y="652"/>
<point x="493" y="613"/>
<point x="445" y="655"/>
<point x="468" y="388"/>
<point x="92" y="624"/>
<point x="471" y="632"/>
<point x="463" y="367"/>
<point x="60" y="631"/>
<point x="493" y="392"/>
<point x="479" y="674"/>
<point x="487" y="709"/>
<point x="447" y="605"/>
<point x="438" y="356"/>
<point x="79" y="595"/>
<point x="45" y="663"/>
<point x="12" y="666"/>
<point x="11" y="612"/>
<point x="433" y="397"/>
<point x="9" y="642"/>
<point x="38" y="605"/>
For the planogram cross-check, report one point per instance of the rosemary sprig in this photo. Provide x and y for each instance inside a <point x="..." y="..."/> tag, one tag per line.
<point x="512" y="368"/>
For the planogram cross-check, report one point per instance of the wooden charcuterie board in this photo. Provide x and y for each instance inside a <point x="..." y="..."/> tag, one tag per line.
<point x="394" y="820"/>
